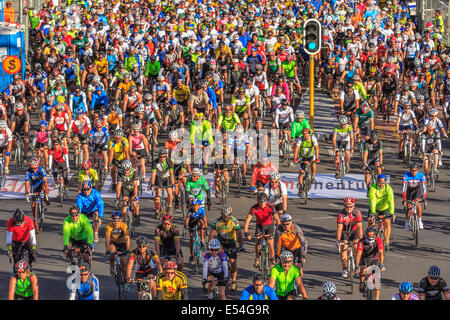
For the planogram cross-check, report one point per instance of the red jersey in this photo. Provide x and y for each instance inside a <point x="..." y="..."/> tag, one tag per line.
<point x="349" y="220"/>
<point x="370" y="250"/>
<point x="58" y="155"/>
<point x="61" y="121"/>
<point x="82" y="126"/>
<point x="20" y="233"/>
<point x="264" y="216"/>
<point x="262" y="174"/>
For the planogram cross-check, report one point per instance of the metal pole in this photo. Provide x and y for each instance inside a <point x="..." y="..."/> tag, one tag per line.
<point x="21" y="12"/>
<point x="311" y="91"/>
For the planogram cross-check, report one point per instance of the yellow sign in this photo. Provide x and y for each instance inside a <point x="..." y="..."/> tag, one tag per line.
<point x="12" y="64"/>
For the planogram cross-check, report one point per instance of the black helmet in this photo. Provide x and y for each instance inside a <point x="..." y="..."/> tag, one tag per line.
<point x="84" y="266"/>
<point x="258" y="277"/>
<point x="413" y="165"/>
<point x="262" y="197"/>
<point x="18" y="216"/>
<point x="142" y="241"/>
<point x="374" y="135"/>
<point x="77" y="211"/>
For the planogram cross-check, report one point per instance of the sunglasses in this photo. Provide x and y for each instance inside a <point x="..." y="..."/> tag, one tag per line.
<point x="214" y="250"/>
<point x="170" y="272"/>
<point x="259" y="284"/>
<point x="287" y="262"/>
<point x="433" y="278"/>
<point x="84" y="274"/>
<point x="286" y="224"/>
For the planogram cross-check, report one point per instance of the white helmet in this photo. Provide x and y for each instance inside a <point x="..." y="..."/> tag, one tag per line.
<point x="214" y="244"/>
<point x="275" y="176"/>
<point x="173" y="135"/>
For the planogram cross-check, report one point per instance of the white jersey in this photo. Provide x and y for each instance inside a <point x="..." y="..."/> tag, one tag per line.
<point x="5" y="138"/>
<point x="276" y="195"/>
<point x="283" y="116"/>
<point x="407" y="119"/>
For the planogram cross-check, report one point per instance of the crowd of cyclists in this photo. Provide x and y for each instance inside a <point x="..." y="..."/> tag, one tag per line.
<point x="116" y="85"/>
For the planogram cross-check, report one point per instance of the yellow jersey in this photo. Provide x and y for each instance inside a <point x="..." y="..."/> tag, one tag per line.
<point x="171" y="289"/>
<point x="117" y="235"/>
<point x="102" y="66"/>
<point x="125" y="87"/>
<point x="181" y="94"/>
<point x="119" y="148"/>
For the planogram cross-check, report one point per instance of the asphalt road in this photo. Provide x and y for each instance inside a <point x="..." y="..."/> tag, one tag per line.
<point x="318" y="220"/>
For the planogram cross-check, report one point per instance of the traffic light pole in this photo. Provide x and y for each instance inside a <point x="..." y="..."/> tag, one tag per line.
<point x="311" y="91"/>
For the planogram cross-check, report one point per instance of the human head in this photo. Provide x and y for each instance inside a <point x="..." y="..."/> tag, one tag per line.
<point x="170" y="268"/>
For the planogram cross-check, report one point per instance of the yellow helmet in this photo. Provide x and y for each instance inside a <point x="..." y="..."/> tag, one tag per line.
<point x="199" y="115"/>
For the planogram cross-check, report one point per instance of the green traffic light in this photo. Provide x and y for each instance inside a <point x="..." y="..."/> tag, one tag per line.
<point x="311" y="46"/>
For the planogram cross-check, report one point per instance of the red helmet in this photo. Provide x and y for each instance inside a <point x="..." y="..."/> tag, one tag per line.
<point x="34" y="163"/>
<point x="170" y="265"/>
<point x="306" y="130"/>
<point x="22" y="265"/>
<point x="349" y="200"/>
<point x="167" y="217"/>
<point x="87" y="164"/>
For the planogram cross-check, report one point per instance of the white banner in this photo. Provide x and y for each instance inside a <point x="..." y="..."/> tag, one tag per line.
<point x="326" y="187"/>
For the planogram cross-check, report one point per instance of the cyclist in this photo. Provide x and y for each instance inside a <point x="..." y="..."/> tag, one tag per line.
<point x="241" y="105"/>
<point x="81" y="126"/>
<point x="258" y="290"/>
<point x="309" y="153"/>
<point x="118" y="151"/>
<point x="148" y="264"/>
<point x="349" y="100"/>
<point x="289" y="236"/>
<point x="414" y="189"/>
<point x="349" y="228"/>
<point x="41" y="141"/>
<point x="364" y="121"/>
<point x="117" y="241"/>
<point x="430" y="146"/>
<point x="127" y="189"/>
<point x="77" y="233"/>
<point x="227" y="121"/>
<point x="163" y="178"/>
<point x="381" y="203"/>
<point x="139" y="147"/>
<point x="59" y="123"/>
<point x="266" y="215"/>
<point x="372" y="157"/>
<point x="215" y="268"/>
<point x="87" y="173"/>
<point x="20" y="127"/>
<point x="370" y="252"/>
<point x="88" y="288"/>
<point x="403" y="98"/>
<point x="5" y="143"/>
<point x="406" y="121"/>
<point x="405" y="292"/>
<point x="59" y="161"/>
<point x="299" y="124"/>
<point x="196" y="219"/>
<point x="36" y="182"/>
<point x="238" y="149"/>
<point x="91" y="204"/>
<point x="328" y="291"/>
<point x="226" y="229"/>
<point x="167" y="241"/>
<point x="261" y="173"/>
<point x="195" y="187"/>
<point x="24" y="284"/>
<point x="433" y="287"/>
<point x="343" y="139"/>
<point x="276" y="192"/>
<point x="21" y="235"/>
<point x="100" y="140"/>
<point x="171" y="284"/>
<point x="284" y="275"/>
<point x="201" y="134"/>
<point x="283" y="119"/>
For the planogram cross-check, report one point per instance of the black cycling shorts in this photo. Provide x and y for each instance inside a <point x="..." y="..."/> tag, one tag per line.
<point x="221" y="281"/>
<point x="414" y="193"/>
<point x="265" y="230"/>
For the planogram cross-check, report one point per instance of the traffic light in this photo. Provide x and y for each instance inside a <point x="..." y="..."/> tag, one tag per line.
<point x="312" y="35"/>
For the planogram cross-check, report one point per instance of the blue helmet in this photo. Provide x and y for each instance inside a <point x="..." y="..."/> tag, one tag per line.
<point x="195" y="201"/>
<point x="173" y="101"/>
<point x="405" y="287"/>
<point x="381" y="176"/>
<point x="116" y="213"/>
<point x="43" y="122"/>
<point x="434" y="271"/>
<point x="79" y="111"/>
<point x="87" y="184"/>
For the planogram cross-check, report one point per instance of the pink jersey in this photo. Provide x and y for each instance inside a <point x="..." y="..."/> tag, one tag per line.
<point x="41" y="136"/>
<point x="137" y="142"/>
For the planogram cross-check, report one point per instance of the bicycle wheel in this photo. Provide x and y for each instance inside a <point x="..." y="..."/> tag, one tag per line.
<point x="342" y="169"/>
<point x="238" y="180"/>
<point x="119" y="282"/>
<point x="416" y="230"/>
<point x="40" y="215"/>
<point x="100" y="170"/>
<point x="3" y="176"/>
<point x="182" y="202"/>
<point x="306" y="188"/>
<point x="130" y="222"/>
<point x="433" y="180"/>
<point x="370" y="294"/>
<point x="262" y="262"/>
<point x="61" y="191"/>
<point x="350" y="270"/>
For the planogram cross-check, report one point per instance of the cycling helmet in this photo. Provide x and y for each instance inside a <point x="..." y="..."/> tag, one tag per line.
<point x="413" y="165"/>
<point x="214" y="244"/>
<point x="328" y="289"/>
<point x="167" y="217"/>
<point x="433" y="111"/>
<point x="142" y="241"/>
<point x="226" y="211"/>
<point x="286" y="254"/>
<point x="87" y="184"/>
<point x="43" y="122"/>
<point x="133" y="88"/>
<point x="197" y="172"/>
<point x="148" y="96"/>
<point x="387" y="70"/>
<point x="413" y="84"/>
<point x="99" y="87"/>
<point x="34" y="163"/>
<point x="306" y="130"/>
<point x="343" y="120"/>
<point x="262" y="197"/>
<point x="86" y="164"/>
<point x="350" y="200"/>
<point x="374" y="135"/>
<point x="97" y="79"/>
<point x="405" y="87"/>
<point x="275" y="176"/>
<point x="365" y="106"/>
<point x="83" y="266"/>
<point x="22" y="265"/>
<point x="140" y="108"/>
<point x="18" y="216"/>
<point x="356" y="77"/>
<point x="372" y="69"/>
<point x="239" y="129"/>
<point x="173" y="135"/>
<point x="19" y="106"/>
<point x="3" y="124"/>
<point x="285" y="217"/>
<point x="299" y="113"/>
<point x="195" y="201"/>
<point x="77" y="211"/>
<point x="161" y="78"/>
<point x="118" y="133"/>
<point x="116" y="213"/>
<point x="126" y="165"/>
<point x="420" y="97"/>
<point x="434" y="272"/>
<point x="199" y="116"/>
<point x="405" y="287"/>
<point x="174" y="101"/>
<point x="137" y="126"/>
<point x="99" y="122"/>
<point x="374" y="231"/>
<point x="257" y="277"/>
<point x="162" y="152"/>
<point x="170" y="265"/>
<point x="79" y="111"/>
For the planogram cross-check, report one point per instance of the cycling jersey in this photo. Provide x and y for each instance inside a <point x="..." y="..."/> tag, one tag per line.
<point x="5" y="137"/>
<point x="119" y="148"/>
<point x="307" y="146"/>
<point x="201" y="132"/>
<point x="162" y="169"/>
<point x="240" y="105"/>
<point x="166" y="238"/>
<point x="99" y="136"/>
<point x="36" y="179"/>
<point x="238" y="142"/>
<point x="91" y="203"/>
<point x="433" y="292"/>
<point x="91" y="176"/>
<point x="61" y="121"/>
<point x="349" y="220"/>
<point x="297" y="128"/>
<point x="171" y="289"/>
<point x="181" y="94"/>
<point x="381" y="199"/>
<point x="283" y="116"/>
<point x="137" y="142"/>
<point x="371" y="251"/>
<point x="228" y="123"/>
<point x="264" y="216"/>
<point x="343" y="134"/>
<point x="275" y="195"/>
<point x="250" y="293"/>
<point x="146" y="263"/>
<point x="79" y="230"/>
<point x="373" y="148"/>
<point x="117" y="235"/>
<point x="195" y="189"/>
<point x="215" y="264"/>
<point x="226" y="232"/>
<point x="262" y="173"/>
<point x="24" y="287"/>
<point x="284" y="281"/>
<point x="411" y="181"/>
<point x="364" y="118"/>
<point x="80" y="126"/>
<point x="128" y="180"/>
<point x="291" y="239"/>
<point x="20" y="233"/>
<point x="86" y="291"/>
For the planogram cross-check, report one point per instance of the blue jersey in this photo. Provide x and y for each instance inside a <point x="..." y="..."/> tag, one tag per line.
<point x="417" y="181"/>
<point x="250" y="293"/>
<point x="35" y="178"/>
<point x="91" y="203"/>
<point x="86" y="291"/>
<point x="197" y="215"/>
<point x="47" y="108"/>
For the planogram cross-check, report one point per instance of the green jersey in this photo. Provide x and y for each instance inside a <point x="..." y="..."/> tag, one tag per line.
<point x="80" y="43"/>
<point x="24" y="287"/>
<point x="273" y="64"/>
<point x="343" y="134"/>
<point x="297" y="128"/>
<point x="284" y="280"/>
<point x="200" y="133"/>
<point x="307" y="147"/>
<point x="195" y="189"/>
<point x="152" y="68"/>
<point x="79" y="230"/>
<point x="288" y="67"/>
<point x="228" y="123"/>
<point x="364" y="118"/>
<point x="381" y="199"/>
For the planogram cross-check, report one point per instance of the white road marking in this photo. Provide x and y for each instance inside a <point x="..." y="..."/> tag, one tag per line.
<point x="321" y="218"/>
<point x="325" y="244"/>
<point x="395" y="255"/>
<point x="334" y="205"/>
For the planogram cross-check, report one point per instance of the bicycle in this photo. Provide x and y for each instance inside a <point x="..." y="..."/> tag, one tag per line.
<point x="144" y="287"/>
<point x="61" y="187"/>
<point x="341" y="164"/>
<point x="431" y="172"/>
<point x="222" y="189"/>
<point x="181" y="197"/>
<point x="351" y="267"/>
<point x="129" y="216"/>
<point x="100" y="166"/>
<point x="40" y="209"/>
<point x="371" y="282"/>
<point x="407" y="146"/>
<point x="286" y="149"/>
<point x="236" y="175"/>
<point x="2" y="171"/>
<point x="197" y="249"/>
<point x="379" y="226"/>
<point x="264" y="263"/>
<point x="307" y="182"/>
<point x="118" y="275"/>
<point x="262" y="104"/>
<point x="18" y="152"/>
<point x="163" y="205"/>
<point x="413" y="220"/>
<point x="79" y="256"/>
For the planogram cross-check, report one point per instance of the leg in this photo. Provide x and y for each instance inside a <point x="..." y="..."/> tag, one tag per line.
<point x="387" y="230"/>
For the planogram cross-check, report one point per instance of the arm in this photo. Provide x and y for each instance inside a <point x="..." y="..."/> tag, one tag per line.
<point x="34" y="285"/>
<point x="246" y="225"/>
